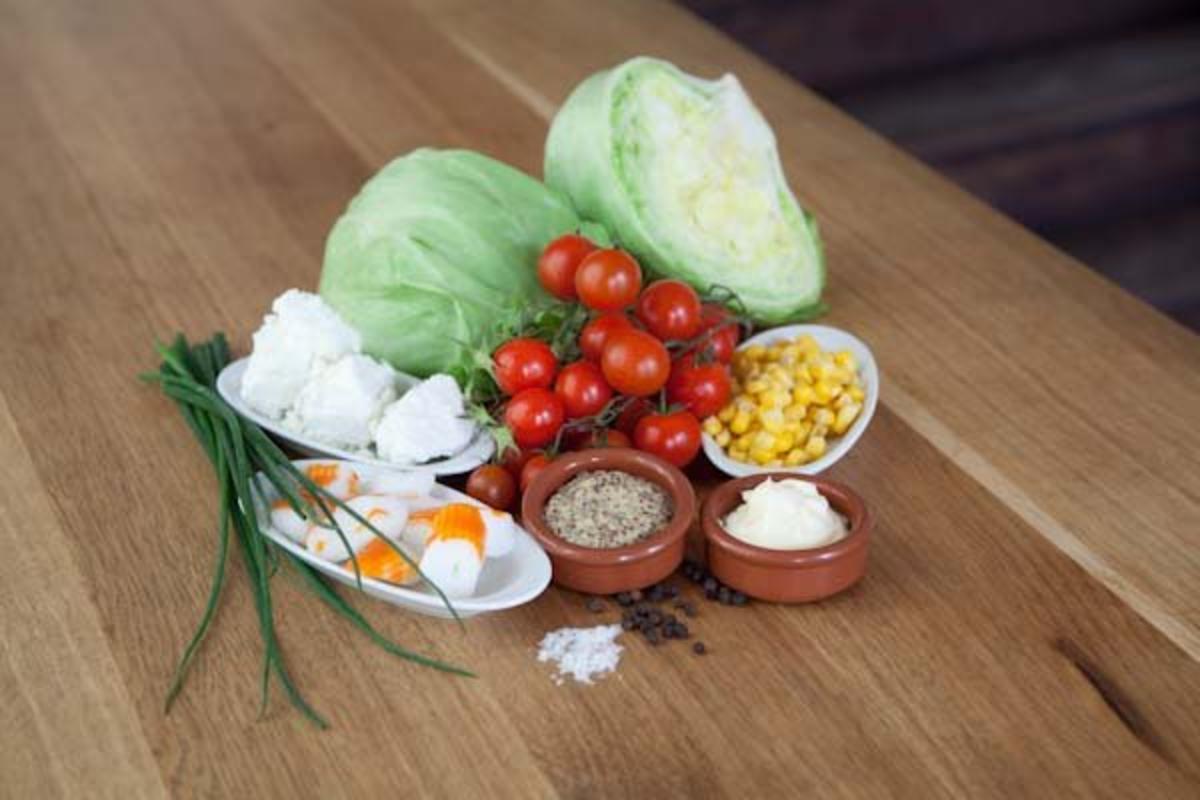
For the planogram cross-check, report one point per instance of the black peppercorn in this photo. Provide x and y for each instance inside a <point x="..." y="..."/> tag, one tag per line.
<point x="698" y="648"/>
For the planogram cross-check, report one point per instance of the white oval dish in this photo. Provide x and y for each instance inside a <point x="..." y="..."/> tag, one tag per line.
<point x="229" y="385"/>
<point x="829" y="339"/>
<point x="505" y="582"/>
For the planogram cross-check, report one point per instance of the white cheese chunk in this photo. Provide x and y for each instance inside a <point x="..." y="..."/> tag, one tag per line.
<point x="341" y="405"/>
<point x="425" y="423"/>
<point x="301" y="337"/>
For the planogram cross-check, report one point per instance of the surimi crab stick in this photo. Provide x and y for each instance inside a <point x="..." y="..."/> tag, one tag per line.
<point x="334" y="477"/>
<point x="387" y="514"/>
<point x="454" y="551"/>
<point x="285" y="520"/>
<point x="379" y="560"/>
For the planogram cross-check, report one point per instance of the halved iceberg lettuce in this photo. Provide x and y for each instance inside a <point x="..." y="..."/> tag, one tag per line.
<point x="434" y="248"/>
<point x="684" y="173"/>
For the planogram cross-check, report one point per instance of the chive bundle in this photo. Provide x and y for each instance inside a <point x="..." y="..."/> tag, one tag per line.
<point x="239" y="452"/>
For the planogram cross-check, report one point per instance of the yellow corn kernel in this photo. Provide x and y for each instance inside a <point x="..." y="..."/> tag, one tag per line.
<point x="772" y="399"/>
<point x="739" y="454"/>
<point x="777" y="372"/>
<point x="802" y="431"/>
<point x="795" y="457"/>
<point x="815" y="446"/>
<point x="757" y="386"/>
<point x="844" y="358"/>
<point x="823" y="416"/>
<point x="819" y="371"/>
<point x="745" y="403"/>
<point x="804" y="395"/>
<point x="726" y="413"/>
<point x="763" y="440"/>
<point x="856" y="393"/>
<point x="845" y="418"/>
<point x="712" y="426"/>
<point x="775" y="351"/>
<point x="784" y="441"/>
<point x="723" y="438"/>
<point x="745" y="440"/>
<point x="794" y="413"/>
<point x="825" y="391"/>
<point x="761" y="457"/>
<point x="740" y="422"/>
<point x="771" y="420"/>
<point x="800" y="376"/>
<point x="755" y="352"/>
<point x="808" y="344"/>
<point x="844" y="399"/>
<point x="818" y="432"/>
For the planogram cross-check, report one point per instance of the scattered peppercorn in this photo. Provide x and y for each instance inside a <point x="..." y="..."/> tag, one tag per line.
<point x="636" y="594"/>
<point x="624" y="599"/>
<point x="699" y="649"/>
<point x="739" y="599"/>
<point x="595" y="605"/>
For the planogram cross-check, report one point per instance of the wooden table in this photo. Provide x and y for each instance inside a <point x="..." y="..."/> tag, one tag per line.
<point x="1030" y="624"/>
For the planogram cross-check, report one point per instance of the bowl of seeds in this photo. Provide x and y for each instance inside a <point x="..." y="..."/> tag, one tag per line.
<point x="611" y="519"/>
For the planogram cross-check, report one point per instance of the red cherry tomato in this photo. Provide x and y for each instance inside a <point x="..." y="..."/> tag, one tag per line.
<point x="557" y="265"/>
<point x="494" y="485"/>
<point x="703" y="389"/>
<point x="635" y="363"/>
<point x="583" y="390"/>
<point x="674" y="437"/>
<point x="523" y="364"/>
<point x="606" y="438"/>
<point x="596" y="333"/>
<point x="725" y="334"/>
<point x="670" y="310"/>
<point x="534" y="417"/>
<point x="531" y="469"/>
<point x="514" y="458"/>
<point x="608" y="280"/>
<point x="629" y="417"/>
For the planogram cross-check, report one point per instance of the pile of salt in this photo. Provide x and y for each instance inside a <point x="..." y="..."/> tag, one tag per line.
<point x="582" y="653"/>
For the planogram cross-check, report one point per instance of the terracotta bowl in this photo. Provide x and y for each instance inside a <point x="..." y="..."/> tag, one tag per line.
<point x="786" y="576"/>
<point x="619" y="569"/>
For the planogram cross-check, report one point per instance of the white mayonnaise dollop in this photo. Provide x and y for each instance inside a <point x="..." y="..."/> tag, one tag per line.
<point x="785" y="515"/>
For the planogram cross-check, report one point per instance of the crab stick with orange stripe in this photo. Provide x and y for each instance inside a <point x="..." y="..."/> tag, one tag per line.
<point x="454" y="551"/>
<point x="385" y="513"/>
<point x="378" y="559"/>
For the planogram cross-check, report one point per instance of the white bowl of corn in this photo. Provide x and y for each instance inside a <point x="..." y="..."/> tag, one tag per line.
<point x="802" y="396"/>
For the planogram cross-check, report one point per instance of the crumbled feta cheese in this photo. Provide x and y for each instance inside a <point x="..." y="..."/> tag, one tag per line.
<point x="300" y="338"/>
<point x="582" y="653"/>
<point x="425" y="423"/>
<point x="342" y="404"/>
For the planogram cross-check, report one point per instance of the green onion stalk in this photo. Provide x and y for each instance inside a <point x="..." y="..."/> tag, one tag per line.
<point x="245" y="462"/>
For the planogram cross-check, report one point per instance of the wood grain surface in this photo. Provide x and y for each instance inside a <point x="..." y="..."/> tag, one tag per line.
<point x="1030" y="622"/>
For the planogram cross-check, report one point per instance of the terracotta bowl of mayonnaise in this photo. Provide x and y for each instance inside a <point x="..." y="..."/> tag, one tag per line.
<point x="831" y="525"/>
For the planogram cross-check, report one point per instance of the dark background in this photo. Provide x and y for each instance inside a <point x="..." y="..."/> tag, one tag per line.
<point x="1079" y="119"/>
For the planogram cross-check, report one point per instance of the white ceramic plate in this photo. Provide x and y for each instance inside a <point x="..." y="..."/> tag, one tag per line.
<point x="504" y="583"/>
<point x="829" y="339"/>
<point x="229" y="385"/>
